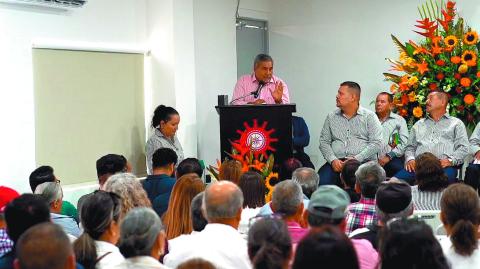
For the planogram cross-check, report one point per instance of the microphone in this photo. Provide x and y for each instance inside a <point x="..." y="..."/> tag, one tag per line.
<point x="256" y="93"/>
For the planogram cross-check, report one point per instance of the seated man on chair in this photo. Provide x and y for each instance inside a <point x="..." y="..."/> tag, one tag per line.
<point x="440" y="134"/>
<point x="472" y="174"/>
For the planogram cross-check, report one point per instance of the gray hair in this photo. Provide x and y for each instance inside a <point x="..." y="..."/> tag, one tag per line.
<point x="138" y="232"/>
<point x="229" y="206"/>
<point x="129" y="189"/>
<point x="198" y="220"/>
<point x="385" y="217"/>
<point x="287" y="197"/>
<point x="369" y="176"/>
<point x="307" y="178"/>
<point x="50" y="191"/>
<point x="262" y="58"/>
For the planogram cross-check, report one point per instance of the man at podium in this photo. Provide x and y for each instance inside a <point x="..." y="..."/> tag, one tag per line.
<point x="261" y="87"/>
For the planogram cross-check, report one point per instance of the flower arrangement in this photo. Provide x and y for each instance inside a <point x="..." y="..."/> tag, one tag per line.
<point x="445" y="60"/>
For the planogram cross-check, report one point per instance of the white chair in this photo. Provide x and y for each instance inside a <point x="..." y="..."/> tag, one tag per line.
<point x="431" y="217"/>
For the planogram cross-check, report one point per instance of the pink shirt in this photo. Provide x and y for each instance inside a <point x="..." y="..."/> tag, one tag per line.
<point x="366" y="254"/>
<point x="248" y="83"/>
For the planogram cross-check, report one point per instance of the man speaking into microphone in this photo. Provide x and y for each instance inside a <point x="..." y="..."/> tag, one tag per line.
<point x="261" y="87"/>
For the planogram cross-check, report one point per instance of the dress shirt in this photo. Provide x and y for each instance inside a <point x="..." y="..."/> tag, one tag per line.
<point x="394" y="125"/>
<point x="68" y="224"/>
<point x="110" y="260"/>
<point x="297" y="233"/>
<point x="219" y="244"/>
<point x="248" y="83"/>
<point x="446" y="139"/>
<point x="361" y="214"/>
<point x="157" y="141"/>
<point x="359" y="137"/>
<point x="140" y="262"/>
<point x="426" y="200"/>
<point x="475" y="140"/>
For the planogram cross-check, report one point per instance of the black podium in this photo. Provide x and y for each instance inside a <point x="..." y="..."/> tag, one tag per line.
<point x="266" y="129"/>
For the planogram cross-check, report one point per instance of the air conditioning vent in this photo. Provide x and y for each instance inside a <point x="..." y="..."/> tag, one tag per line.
<point x="67" y="4"/>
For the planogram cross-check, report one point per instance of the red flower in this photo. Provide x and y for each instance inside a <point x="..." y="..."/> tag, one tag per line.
<point x="470" y="117"/>
<point x="432" y="86"/>
<point x="460" y="108"/>
<point x="450" y="4"/>
<point x="403" y="112"/>
<point x="458" y="89"/>
<point x="457" y="76"/>
<point x="440" y="76"/>
<point x="440" y="62"/>
<point x="478" y="74"/>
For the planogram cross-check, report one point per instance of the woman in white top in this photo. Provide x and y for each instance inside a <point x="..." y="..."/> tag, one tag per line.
<point x="430" y="180"/>
<point x="253" y="188"/>
<point x="100" y="216"/>
<point x="142" y="240"/>
<point x="460" y="214"/>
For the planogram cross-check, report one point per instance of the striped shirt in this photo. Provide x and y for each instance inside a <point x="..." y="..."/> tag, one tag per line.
<point x="394" y="126"/>
<point x="446" y="139"/>
<point x="359" y="137"/>
<point x="157" y="141"/>
<point x="475" y="140"/>
<point x="426" y="200"/>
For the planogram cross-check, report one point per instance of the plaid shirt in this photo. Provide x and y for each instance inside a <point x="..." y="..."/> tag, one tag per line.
<point x="6" y="244"/>
<point x="361" y="214"/>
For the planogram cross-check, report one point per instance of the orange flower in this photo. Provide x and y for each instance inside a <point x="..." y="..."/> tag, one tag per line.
<point x="422" y="68"/>
<point x="440" y="62"/>
<point x="470" y="38"/>
<point x="417" y="112"/>
<point x="432" y="86"/>
<point x="469" y="58"/>
<point x="403" y="112"/>
<point x="394" y="88"/>
<point x="455" y="59"/>
<point x="440" y="76"/>
<point x="469" y="99"/>
<point x="462" y="69"/>
<point x="404" y="99"/>
<point x="478" y="74"/>
<point x="412" y="97"/>
<point x="465" y="82"/>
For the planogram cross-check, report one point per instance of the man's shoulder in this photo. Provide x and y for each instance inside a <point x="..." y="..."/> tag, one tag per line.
<point x="397" y="117"/>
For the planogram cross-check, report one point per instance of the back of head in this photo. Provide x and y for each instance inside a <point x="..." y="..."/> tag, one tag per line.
<point x="189" y="165"/>
<point x="327" y="205"/>
<point x="50" y="191"/>
<point x="287" y="168"/>
<point x="40" y="175"/>
<point x="353" y="87"/>
<point x="460" y="212"/>
<point x="129" y="189"/>
<point x="196" y="263"/>
<point x="44" y="246"/>
<point x="24" y="212"/>
<point x="287" y="197"/>
<point x="369" y="176"/>
<point x="198" y="220"/>
<point x="163" y="157"/>
<point x="98" y="212"/>
<point x="269" y="244"/>
<point x="139" y="231"/>
<point x="410" y="243"/>
<point x="222" y="201"/>
<point x="348" y="173"/>
<point x="110" y="164"/>
<point x="230" y="170"/>
<point x="429" y="174"/>
<point x="393" y="200"/>
<point x="308" y="180"/>
<point x="328" y="247"/>
<point x="253" y="189"/>
<point x="177" y="217"/>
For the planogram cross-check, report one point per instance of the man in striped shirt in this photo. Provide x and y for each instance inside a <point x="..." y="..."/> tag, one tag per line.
<point x="350" y="132"/>
<point x="440" y="134"/>
<point x="472" y="174"/>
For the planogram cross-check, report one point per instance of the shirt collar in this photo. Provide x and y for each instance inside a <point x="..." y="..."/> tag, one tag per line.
<point x="360" y="111"/>
<point x="368" y="201"/>
<point x="444" y="116"/>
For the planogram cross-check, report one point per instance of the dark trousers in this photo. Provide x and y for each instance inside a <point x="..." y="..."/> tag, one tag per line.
<point x="328" y="176"/>
<point x="472" y="176"/>
<point x="409" y="177"/>
<point x="393" y="166"/>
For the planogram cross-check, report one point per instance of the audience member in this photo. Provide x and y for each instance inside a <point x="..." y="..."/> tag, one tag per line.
<point x="253" y="189"/>
<point x="196" y="264"/>
<point x="269" y="244"/>
<point x="301" y="139"/>
<point x="219" y="243"/>
<point x="472" y="173"/>
<point x="287" y="168"/>
<point x="100" y="217"/>
<point x="130" y="190"/>
<point x="177" y="218"/>
<point x="308" y="180"/>
<point x="431" y="180"/>
<point x="287" y="201"/>
<point x="349" y="180"/>
<point x="230" y="170"/>
<point x="20" y="214"/>
<point x="326" y="248"/>
<point x="45" y="174"/>
<point x="328" y="207"/>
<point x="410" y="243"/>
<point x="44" y="246"/>
<point x="393" y="200"/>
<point x="53" y="195"/>
<point x="160" y="183"/>
<point x="142" y="239"/>
<point x="460" y="214"/>
<point x="187" y="166"/>
<point x="6" y="196"/>
<point x="361" y="214"/>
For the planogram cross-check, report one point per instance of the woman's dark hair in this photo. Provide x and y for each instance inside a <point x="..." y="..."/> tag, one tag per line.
<point x="162" y="113"/>
<point x="461" y="212"/>
<point x="269" y="244"/>
<point x="287" y="168"/>
<point x="328" y="248"/>
<point x="429" y="173"/>
<point x="253" y="188"/>
<point x="348" y="173"/>
<point x="410" y="243"/>
<point x="98" y="211"/>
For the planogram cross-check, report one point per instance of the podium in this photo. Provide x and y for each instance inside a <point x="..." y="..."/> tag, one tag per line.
<point x="266" y="129"/>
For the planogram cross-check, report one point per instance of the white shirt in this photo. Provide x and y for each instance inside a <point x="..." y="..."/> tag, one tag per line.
<point x="110" y="260"/>
<point x="247" y="214"/>
<point x="141" y="262"/>
<point x="219" y="244"/>
<point x="456" y="260"/>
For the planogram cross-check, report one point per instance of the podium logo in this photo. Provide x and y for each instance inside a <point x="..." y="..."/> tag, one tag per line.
<point x="257" y="139"/>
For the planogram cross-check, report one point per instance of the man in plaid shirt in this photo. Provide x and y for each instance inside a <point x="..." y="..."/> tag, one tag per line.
<point x="6" y="195"/>
<point x="361" y="214"/>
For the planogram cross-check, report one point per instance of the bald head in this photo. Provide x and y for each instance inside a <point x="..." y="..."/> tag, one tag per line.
<point x="222" y="200"/>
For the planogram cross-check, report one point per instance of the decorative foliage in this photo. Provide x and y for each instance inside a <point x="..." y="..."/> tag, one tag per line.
<point x="446" y="59"/>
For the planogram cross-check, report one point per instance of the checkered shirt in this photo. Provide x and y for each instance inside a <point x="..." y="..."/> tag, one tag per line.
<point x="361" y="214"/>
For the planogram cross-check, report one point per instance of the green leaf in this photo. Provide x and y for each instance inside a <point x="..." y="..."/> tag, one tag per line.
<point x="409" y="49"/>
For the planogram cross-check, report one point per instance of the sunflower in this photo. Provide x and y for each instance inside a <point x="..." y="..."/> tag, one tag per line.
<point x="417" y="112"/>
<point x="470" y="38"/>
<point x="469" y="99"/>
<point x="451" y="41"/>
<point x="268" y="179"/>
<point x="268" y="197"/>
<point x="469" y="58"/>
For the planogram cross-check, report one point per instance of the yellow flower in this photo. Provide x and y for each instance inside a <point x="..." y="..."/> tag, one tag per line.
<point x="410" y="62"/>
<point x="412" y="97"/>
<point x="403" y="56"/>
<point x="417" y="112"/>
<point x="451" y="41"/>
<point x="462" y="69"/>
<point x="268" y="179"/>
<point x="469" y="58"/>
<point x="413" y="80"/>
<point x="470" y="38"/>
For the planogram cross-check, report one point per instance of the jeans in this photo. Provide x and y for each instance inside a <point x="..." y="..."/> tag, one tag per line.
<point x="409" y="177"/>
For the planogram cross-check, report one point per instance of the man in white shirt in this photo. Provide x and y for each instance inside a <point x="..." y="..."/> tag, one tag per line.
<point x="219" y="243"/>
